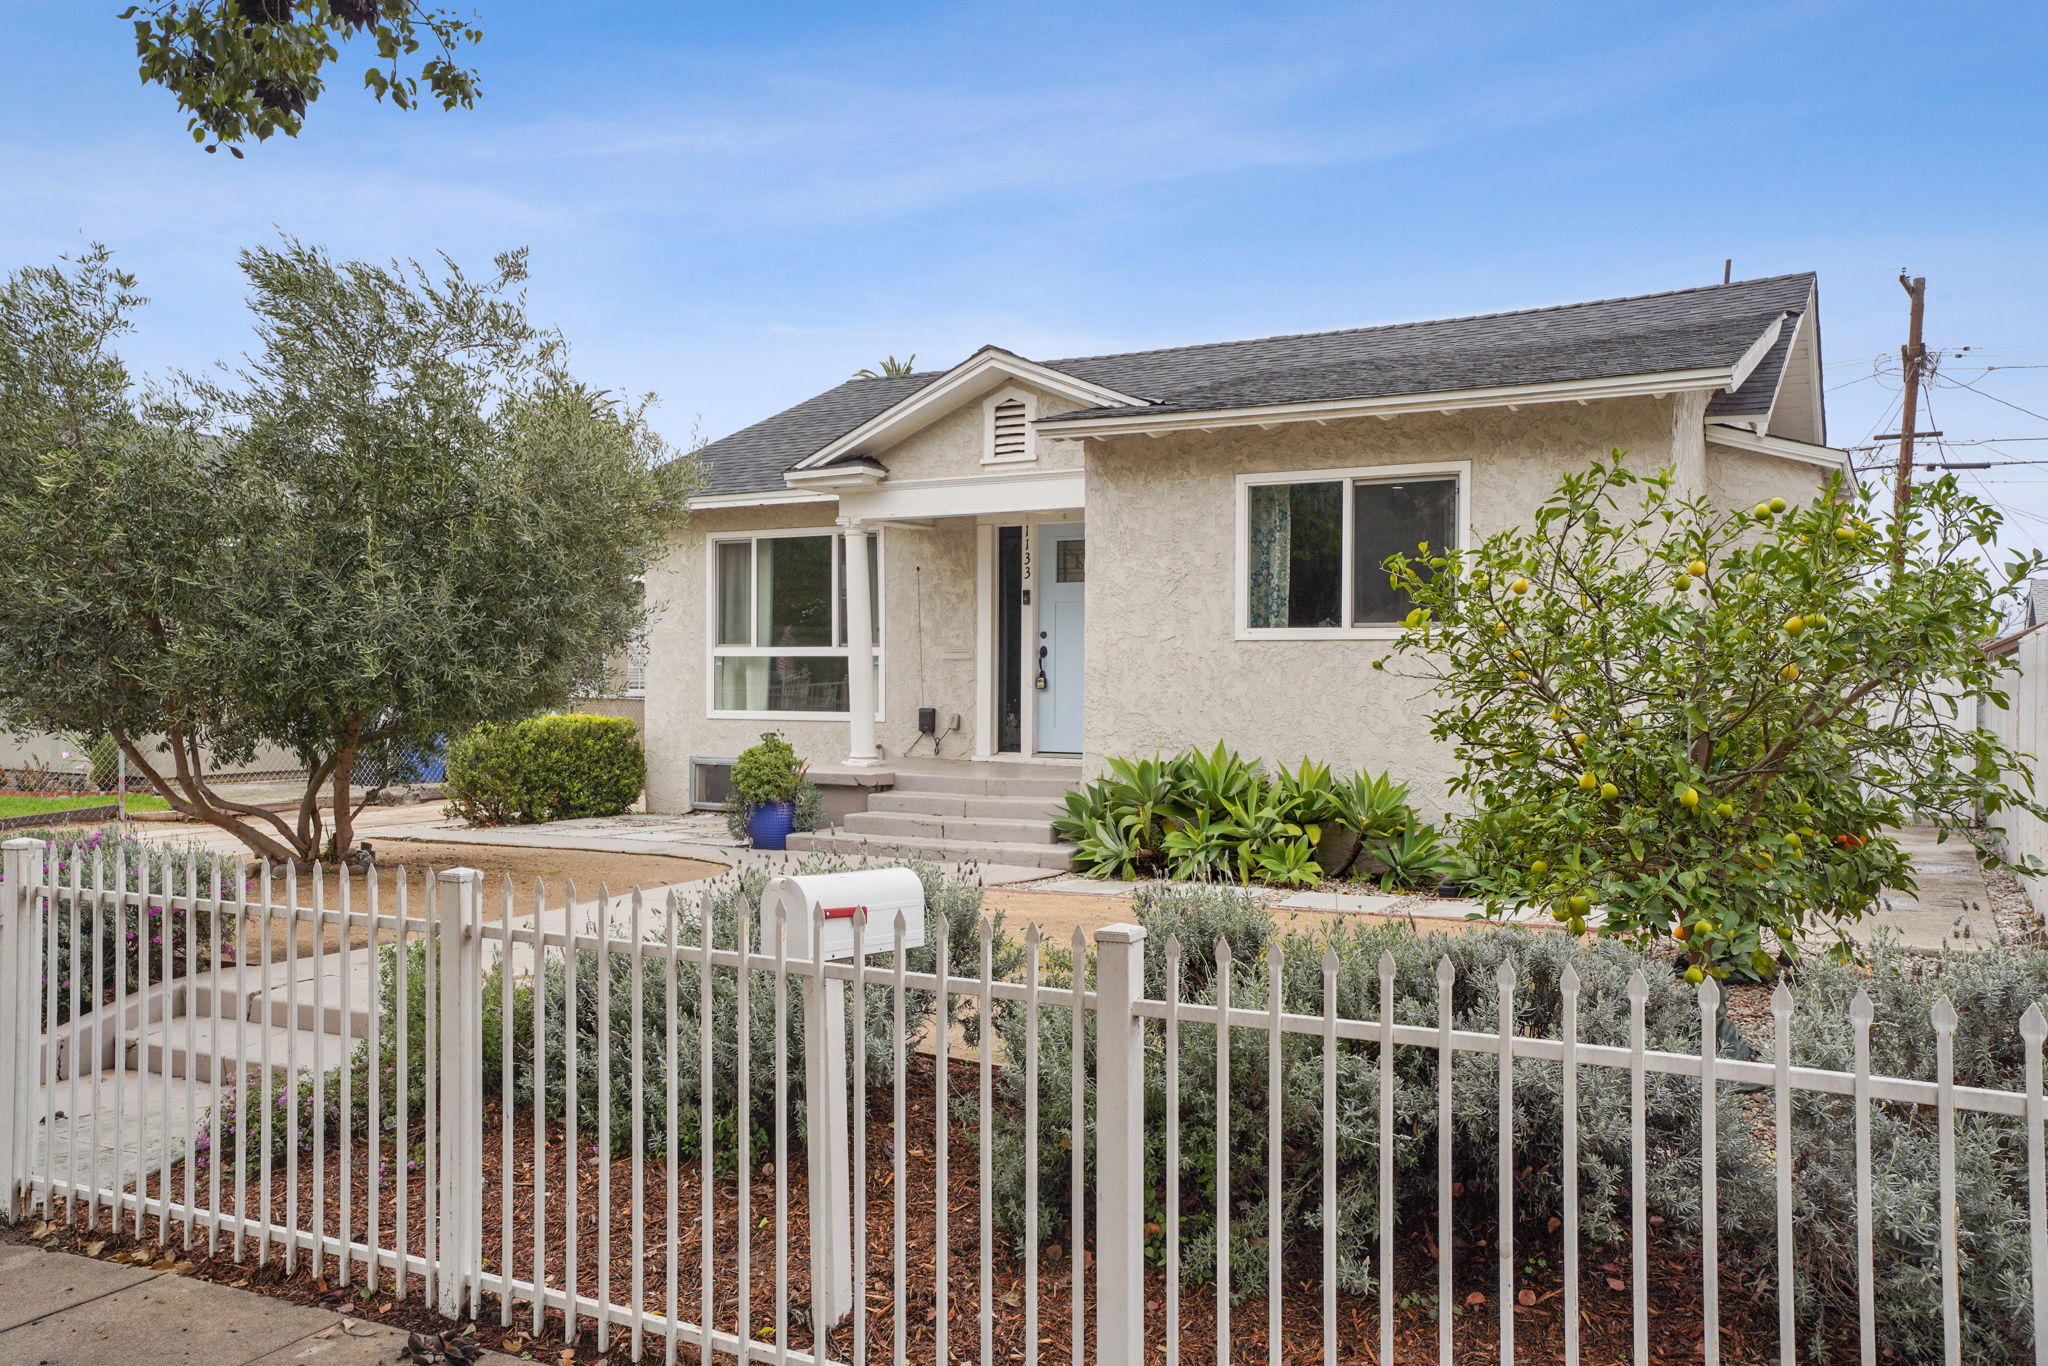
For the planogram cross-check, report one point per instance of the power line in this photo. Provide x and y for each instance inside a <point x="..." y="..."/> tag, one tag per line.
<point x="2043" y="417"/>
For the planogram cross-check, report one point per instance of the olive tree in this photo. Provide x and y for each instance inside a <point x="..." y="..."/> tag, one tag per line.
<point x="1711" y="722"/>
<point x="399" y="517"/>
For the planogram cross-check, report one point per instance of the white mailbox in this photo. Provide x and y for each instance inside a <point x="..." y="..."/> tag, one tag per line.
<point x="883" y="893"/>
<point x="803" y="905"/>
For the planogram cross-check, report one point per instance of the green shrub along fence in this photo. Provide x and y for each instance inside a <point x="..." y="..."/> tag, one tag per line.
<point x="100" y="950"/>
<point x="1218" y="817"/>
<point x="1990" y="991"/>
<point x="547" y="768"/>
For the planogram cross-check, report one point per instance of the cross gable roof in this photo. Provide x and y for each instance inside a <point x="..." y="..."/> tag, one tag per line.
<point x="1708" y="329"/>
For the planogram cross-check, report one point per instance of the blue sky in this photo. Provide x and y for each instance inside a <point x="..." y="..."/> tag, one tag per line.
<point x="735" y="206"/>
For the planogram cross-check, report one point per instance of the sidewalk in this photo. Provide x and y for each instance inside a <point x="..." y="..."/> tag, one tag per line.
<point x="61" y="1309"/>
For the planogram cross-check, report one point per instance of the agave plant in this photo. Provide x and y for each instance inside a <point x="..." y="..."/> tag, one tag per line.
<point x="1417" y="857"/>
<point x="1213" y="780"/>
<point x="1200" y="848"/>
<point x="1112" y="848"/>
<point x="1289" y="863"/>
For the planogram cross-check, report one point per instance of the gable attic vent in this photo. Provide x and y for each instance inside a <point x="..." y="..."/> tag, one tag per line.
<point x="1009" y="438"/>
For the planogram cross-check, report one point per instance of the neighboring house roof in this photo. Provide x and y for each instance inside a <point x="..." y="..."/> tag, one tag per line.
<point x="1680" y="330"/>
<point x="2037" y="602"/>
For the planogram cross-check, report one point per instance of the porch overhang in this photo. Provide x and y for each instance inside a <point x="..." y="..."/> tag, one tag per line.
<point x="971" y="495"/>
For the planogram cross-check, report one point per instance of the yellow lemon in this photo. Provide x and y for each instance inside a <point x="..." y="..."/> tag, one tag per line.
<point x="1760" y="511"/>
<point x="1519" y="587"/>
<point x="1789" y="672"/>
<point x="1608" y="791"/>
<point x="1794" y="625"/>
<point x="1578" y="904"/>
<point x="1540" y="867"/>
<point x="1843" y="533"/>
<point x="1695" y="976"/>
<point x="1697" y="568"/>
<point x="1777" y="504"/>
<point x="1689" y="798"/>
<point x="1588" y="781"/>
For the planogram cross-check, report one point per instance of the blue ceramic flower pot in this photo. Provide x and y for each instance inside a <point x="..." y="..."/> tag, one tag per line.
<point x="768" y="825"/>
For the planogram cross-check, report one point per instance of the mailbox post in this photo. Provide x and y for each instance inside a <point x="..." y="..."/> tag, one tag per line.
<point x="817" y="913"/>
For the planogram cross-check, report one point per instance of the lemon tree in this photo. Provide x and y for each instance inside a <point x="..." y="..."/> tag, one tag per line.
<point x="1709" y="722"/>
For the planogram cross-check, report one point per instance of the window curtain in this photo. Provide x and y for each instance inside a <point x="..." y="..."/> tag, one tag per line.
<point x="1268" y="554"/>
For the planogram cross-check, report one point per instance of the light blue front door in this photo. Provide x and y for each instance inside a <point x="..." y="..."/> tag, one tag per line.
<point x="1062" y="620"/>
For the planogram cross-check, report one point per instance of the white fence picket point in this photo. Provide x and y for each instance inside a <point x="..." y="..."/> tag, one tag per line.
<point x="1032" y="1244"/>
<point x="899" y="1140"/>
<point x="1120" y="1146"/>
<point x="942" y="1112"/>
<point x="1077" y="1174"/>
<point x="1781" y="1049"/>
<point x="572" y="1087"/>
<point x="1860" y="1014"/>
<point x="1276" y="1104"/>
<point x="78" y="1045"/>
<point x="781" y="1019"/>
<point x="461" y="1173"/>
<point x="604" y="1118"/>
<point x="1386" y="1130"/>
<point x="1568" y="986"/>
<point x="1222" y="1150"/>
<point x="1639" y="1180"/>
<point x="984" y="1131"/>
<point x="1446" y="1060"/>
<point x="707" y="1187"/>
<point x="1504" y="1238"/>
<point x="1710" y="1173"/>
<point x="637" y="968"/>
<point x="1329" y="1129"/>
<point x="1943" y="1016"/>
<point x="537" y="1222"/>
<point x="21" y="1044"/>
<point x="2034" y="1029"/>
<point x="42" y="926"/>
<point x="672" y="1120"/>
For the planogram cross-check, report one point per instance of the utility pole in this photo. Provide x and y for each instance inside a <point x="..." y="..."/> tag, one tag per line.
<point x="1913" y="355"/>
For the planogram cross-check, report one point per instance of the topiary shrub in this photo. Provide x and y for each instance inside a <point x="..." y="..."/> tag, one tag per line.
<point x="565" y="766"/>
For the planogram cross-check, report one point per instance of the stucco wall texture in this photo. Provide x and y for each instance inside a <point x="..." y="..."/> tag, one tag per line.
<point x="1165" y="669"/>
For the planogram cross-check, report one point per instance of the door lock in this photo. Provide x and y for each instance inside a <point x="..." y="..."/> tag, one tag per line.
<point x="1040" y="684"/>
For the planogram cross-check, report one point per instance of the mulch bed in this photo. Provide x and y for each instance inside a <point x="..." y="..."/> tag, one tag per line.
<point x="1748" y="1328"/>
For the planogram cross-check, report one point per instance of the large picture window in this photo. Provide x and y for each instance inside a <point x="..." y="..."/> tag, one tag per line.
<point x="778" y="624"/>
<point x="1311" y="546"/>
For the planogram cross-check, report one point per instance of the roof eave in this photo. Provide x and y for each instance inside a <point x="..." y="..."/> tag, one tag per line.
<point x="1719" y="377"/>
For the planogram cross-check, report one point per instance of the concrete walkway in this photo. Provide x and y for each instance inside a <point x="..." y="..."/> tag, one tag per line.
<point x="61" y="1309"/>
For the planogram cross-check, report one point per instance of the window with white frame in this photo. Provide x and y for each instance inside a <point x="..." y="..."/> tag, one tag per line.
<point x="778" y="623"/>
<point x="1006" y="427"/>
<point x="1312" y="546"/>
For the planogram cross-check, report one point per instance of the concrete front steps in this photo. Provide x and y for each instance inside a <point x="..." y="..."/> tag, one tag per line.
<point x="963" y="813"/>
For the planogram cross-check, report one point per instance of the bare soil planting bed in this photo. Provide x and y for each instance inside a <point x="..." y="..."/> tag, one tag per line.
<point x="605" y="1265"/>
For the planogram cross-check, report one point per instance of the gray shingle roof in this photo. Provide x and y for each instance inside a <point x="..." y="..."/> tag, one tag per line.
<point x="752" y="459"/>
<point x="1685" y="329"/>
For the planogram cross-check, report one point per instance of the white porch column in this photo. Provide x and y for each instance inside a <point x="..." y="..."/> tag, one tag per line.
<point x="860" y="630"/>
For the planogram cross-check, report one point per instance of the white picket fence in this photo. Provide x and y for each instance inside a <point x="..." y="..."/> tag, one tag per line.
<point x="494" y="1208"/>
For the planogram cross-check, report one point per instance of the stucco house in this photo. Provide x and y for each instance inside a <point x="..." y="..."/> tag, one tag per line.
<point x="1056" y="561"/>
